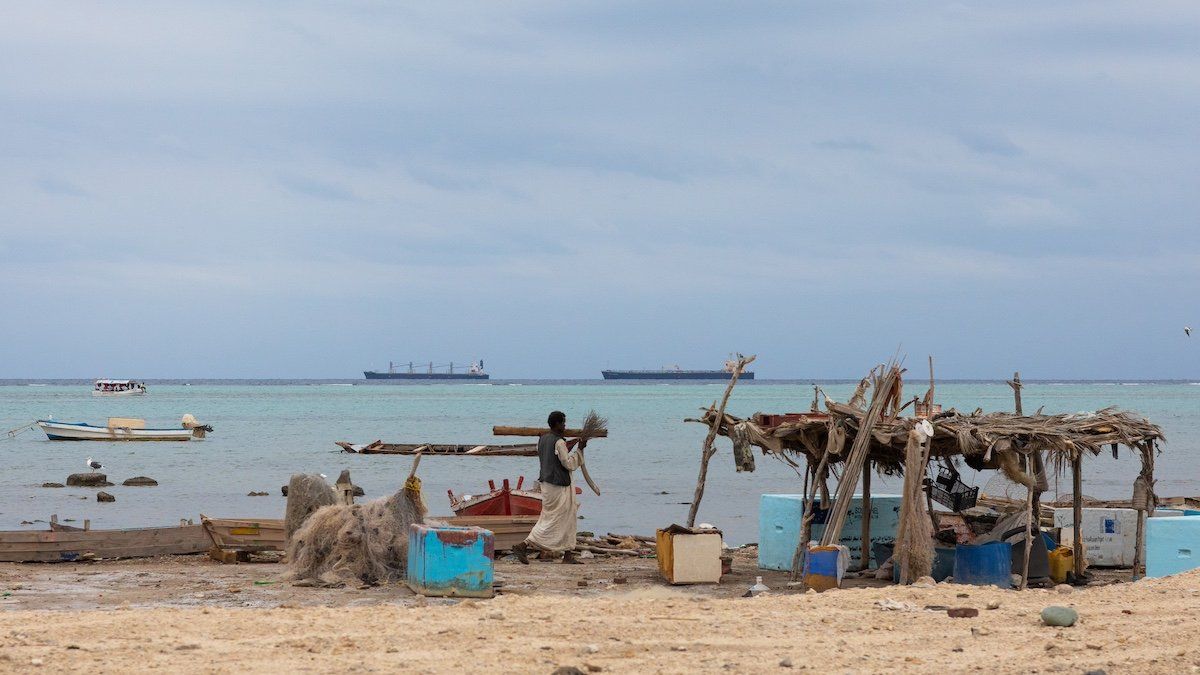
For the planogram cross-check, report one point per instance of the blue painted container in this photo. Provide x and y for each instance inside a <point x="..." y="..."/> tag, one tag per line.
<point x="987" y="564"/>
<point x="943" y="564"/>
<point x="821" y="568"/>
<point x="779" y="527"/>
<point x="454" y="561"/>
<point x="1172" y="545"/>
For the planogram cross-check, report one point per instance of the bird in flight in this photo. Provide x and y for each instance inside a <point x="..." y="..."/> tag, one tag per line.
<point x="1187" y="330"/>
<point x="94" y="466"/>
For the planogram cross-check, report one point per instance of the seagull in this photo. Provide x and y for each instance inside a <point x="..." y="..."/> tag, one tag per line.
<point x="1187" y="330"/>
<point x="94" y="466"/>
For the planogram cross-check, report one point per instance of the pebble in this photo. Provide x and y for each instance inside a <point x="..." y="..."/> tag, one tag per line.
<point x="678" y="648"/>
<point x="962" y="612"/>
<point x="591" y="649"/>
<point x="786" y="663"/>
<point x="1098" y="671"/>
<point x="35" y="662"/>
<point x="979" y="631"/>
<point x="567" y="670"/>
<point x="964" y="595"/>
<point x="925" y="582"/>
<point x="1063" y="589"/>
<point x="497" y="615"/>
<point x="993" y="604"/>
<point x="592" y="668"/>
<point x="1059" y="616"/>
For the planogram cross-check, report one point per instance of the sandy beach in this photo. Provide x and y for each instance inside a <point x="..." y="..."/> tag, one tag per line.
<point x="192" y="614"/>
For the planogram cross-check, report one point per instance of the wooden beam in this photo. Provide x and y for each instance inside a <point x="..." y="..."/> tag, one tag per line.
<point x="1077" y="516"/>
<point x="538" y="431"/>
<point x="864" y="557"/>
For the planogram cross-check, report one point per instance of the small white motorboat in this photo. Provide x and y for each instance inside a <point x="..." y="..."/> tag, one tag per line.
<point x="119" y="388"/>
<point x="122" y="429"/>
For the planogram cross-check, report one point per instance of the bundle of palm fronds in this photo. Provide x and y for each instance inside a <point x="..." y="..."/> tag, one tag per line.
<point x="593" y="425"/>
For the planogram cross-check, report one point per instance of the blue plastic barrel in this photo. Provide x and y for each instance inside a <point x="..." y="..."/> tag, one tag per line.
<point x="987" y="564"/>
<point x="821" y="567"/>
<point x="943" y="565"/>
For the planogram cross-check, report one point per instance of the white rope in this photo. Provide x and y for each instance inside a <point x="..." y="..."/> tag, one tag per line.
<point x="12" y="433"/>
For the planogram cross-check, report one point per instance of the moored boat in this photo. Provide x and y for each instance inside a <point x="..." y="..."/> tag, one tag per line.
<point x="245" y="534"/>
<point x="123" y="429"/>
<point x="119" y="388"/>
<point x="502" y="501"/>
<point x="381" y="448"/>
<point x="64" y="543"/>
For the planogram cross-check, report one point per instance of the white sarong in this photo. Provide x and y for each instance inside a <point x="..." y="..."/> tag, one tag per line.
<point x="555" y="528"/>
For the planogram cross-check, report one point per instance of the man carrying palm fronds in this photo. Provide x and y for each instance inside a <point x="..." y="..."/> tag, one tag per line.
<point x="555" y="528"/>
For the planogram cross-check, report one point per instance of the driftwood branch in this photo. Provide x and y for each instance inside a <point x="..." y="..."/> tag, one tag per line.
<point x="709" y="449"/>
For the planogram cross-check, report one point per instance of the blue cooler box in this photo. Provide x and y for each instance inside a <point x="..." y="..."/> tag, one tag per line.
<point x="779" y="527"/>
<point x="453" y="561"/>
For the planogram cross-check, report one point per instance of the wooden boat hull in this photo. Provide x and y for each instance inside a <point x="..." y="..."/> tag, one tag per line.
<point x="507" y="530"/>
<point x="266" y="534"/>
<point x="66" y="544"/>
<point x="245" y="534"/>
<point x="64" y="431"/>
<point x="381" y="448"/>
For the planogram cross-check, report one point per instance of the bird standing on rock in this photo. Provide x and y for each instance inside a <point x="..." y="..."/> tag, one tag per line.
<point x="94" y="466"/>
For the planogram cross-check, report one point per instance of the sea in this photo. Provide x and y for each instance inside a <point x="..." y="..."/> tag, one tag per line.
<point x="267" y="430"/>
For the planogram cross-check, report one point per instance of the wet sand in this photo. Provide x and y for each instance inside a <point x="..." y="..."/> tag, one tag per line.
<point x="192" y="614"/>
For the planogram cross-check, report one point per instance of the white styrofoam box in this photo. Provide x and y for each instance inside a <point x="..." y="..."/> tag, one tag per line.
<point x="779" y="526"/>
<point x="1109" y="535"/>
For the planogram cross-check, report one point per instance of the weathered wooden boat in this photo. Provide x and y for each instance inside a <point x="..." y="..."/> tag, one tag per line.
<point x="122" y="429"/>
<point x="507" y="530"/>
<point x="244" y="534"/>
<point x="266" y="534"/>
<point x="503" y="501"/>
<point x="381" y="448"/>
<point x="65" y="543"/>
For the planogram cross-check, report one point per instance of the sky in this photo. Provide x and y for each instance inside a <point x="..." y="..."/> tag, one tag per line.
<point x="301" y="189"/>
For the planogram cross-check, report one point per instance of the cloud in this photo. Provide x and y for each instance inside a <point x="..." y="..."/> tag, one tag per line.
<point x="317" y="189"/>
<point x="57" y="186"/>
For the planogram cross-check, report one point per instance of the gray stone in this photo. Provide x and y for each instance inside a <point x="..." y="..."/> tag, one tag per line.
<point x="52" y="485"/>
<point x="284" y="490"/>
<point x="105" y="497"/>
<point x="786" y="663"/>
<point x="88" y="480"/>
<point x="567" y="670"/>
<point x="1059" y="616"/>
<point x="140" y="481"/>
<point x="1064" y="589"/>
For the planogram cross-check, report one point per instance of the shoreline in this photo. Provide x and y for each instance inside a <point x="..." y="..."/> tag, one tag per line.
<point x="192" y="614"/>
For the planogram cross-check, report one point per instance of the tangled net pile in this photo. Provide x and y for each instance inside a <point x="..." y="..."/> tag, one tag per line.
<point x="364" y="542"/>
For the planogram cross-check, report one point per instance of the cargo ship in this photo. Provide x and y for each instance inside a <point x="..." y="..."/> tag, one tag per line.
<point x="676" y="373"/>
<point x="473" y="372"/>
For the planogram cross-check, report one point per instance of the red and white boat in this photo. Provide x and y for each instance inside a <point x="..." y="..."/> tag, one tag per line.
<point x="503" y="501"/>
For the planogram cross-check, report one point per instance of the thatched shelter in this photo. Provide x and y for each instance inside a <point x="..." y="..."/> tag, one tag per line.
<point x="827" y="443"/>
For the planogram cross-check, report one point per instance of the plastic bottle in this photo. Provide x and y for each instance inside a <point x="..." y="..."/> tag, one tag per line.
<point x="758" y="588"/>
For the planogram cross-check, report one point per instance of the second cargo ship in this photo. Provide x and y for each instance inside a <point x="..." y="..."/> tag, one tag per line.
<point x="676" y="373"/>
<point x="444" y="372"/>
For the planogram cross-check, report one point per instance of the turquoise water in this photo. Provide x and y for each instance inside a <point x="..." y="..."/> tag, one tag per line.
<point x="646" y="469"/>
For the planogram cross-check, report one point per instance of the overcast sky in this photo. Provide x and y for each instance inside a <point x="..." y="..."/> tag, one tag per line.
<point x="295" y="189"/>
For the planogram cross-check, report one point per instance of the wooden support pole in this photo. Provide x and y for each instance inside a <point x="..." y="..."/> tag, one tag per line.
<point x="709" y="449"/>
<point x="1028" y="522"/>
<point x="806" y="517"/>
<point x="1077" y="516"/>
<point x="865" y="555"/>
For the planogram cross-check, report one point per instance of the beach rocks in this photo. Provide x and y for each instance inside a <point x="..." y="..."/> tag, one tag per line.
<point x="1064" y="589"/>
<point x="1059" y="616"/>
<point x="53" y="485"/>
<point x="283" y="490"/>
<point x="140" y="481"/>
<point x="359" y="492"/>
<point x="962" y="612"/>
<point x="252" y="493"/>
<point x="105" y="497"/>
<point x="88" y="480"/>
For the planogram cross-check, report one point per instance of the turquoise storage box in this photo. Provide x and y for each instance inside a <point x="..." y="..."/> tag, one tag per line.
<point x="454" y="561"/>
<point x="779" y="527"/>
<point x="987" y="564"/>
<point x="1172" y="545"/>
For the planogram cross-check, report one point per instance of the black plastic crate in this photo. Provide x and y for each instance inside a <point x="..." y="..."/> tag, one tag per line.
<point x="949" y="491"/>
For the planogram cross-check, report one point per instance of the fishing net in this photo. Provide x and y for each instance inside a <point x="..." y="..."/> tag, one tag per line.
<point x="307" y="492"/>
<point x="364" y="542"/>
